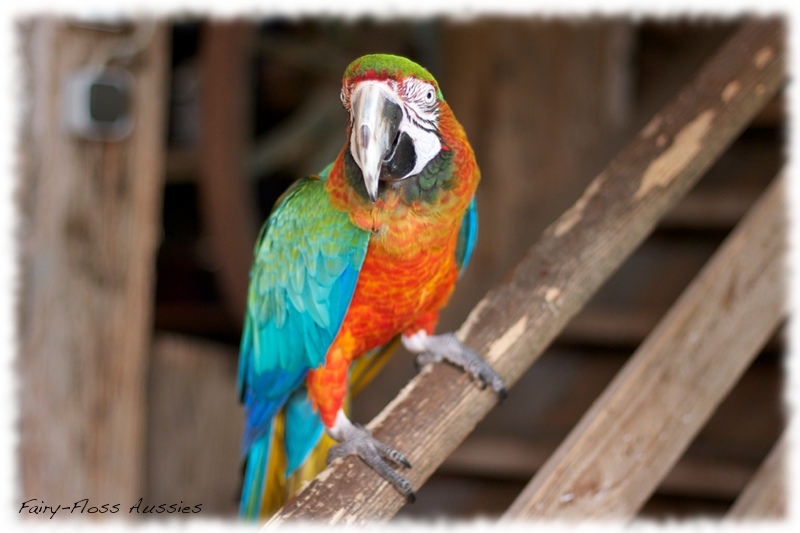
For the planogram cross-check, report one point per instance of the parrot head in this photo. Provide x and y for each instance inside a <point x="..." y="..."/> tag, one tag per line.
<point x="394" y="107"/>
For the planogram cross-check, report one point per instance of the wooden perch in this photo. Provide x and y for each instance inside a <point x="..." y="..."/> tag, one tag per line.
<point x="517" y="320"/>
<point x="617" y="455"/>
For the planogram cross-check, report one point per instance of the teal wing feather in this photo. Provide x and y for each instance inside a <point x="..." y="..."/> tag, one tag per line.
<point x="306" y="265"/>
<point x="467" y="236"/>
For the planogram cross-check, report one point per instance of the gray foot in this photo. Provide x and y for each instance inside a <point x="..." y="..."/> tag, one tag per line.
<point x="355" y="439"/>
<point x="446" y="347"/>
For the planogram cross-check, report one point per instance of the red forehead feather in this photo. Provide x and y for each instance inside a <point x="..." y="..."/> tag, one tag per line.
<point x="372" y="74"/>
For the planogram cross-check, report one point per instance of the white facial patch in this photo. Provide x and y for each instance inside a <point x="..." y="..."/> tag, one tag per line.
<point x="419" y="119"/>
<point x="426" y="144"/>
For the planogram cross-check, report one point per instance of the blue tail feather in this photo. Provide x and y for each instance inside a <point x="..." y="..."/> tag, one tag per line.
<point x="255" y="478"/>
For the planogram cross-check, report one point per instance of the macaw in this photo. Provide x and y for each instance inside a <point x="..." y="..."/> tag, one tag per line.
<point x="349" y="261"/>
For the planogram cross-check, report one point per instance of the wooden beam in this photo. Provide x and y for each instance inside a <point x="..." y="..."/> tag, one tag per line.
<point x="90" y="213"/>
<point x="516" y="321"/>
<point x="764" y="497"/>
<point x="228" y="209"/>
<point x="636" y="431"/>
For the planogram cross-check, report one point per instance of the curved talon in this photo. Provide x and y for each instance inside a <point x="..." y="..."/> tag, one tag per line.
<point x="390" y="453"/>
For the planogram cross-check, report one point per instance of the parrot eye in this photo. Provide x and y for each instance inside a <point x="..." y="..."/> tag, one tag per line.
<point x="421" y="93"/>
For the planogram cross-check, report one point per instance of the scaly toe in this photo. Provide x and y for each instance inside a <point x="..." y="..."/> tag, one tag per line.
<point x="358" y="441"/>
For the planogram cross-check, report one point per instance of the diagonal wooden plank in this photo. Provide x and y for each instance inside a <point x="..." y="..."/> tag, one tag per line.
<point x="636" y="431"/>
<point x="764" y="497"/>
<point x="516" y="321"/>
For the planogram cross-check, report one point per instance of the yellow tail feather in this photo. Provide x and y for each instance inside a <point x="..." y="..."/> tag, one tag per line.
<point x="362" y="370"/>
<point x="275" y="491"/>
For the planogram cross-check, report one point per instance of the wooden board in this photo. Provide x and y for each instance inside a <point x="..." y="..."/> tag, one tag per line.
<point x="88" y="235"/>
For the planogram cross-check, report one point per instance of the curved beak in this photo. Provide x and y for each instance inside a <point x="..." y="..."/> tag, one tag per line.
<point x="376" y="119"/>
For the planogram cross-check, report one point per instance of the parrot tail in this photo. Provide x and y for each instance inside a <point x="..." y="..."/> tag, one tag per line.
<point x="263" y="490"/>
<point x="254" y="480"/>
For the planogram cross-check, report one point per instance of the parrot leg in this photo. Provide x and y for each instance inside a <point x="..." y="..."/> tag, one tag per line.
<point x="355" y="439"/>
<point x="446" y="347"/>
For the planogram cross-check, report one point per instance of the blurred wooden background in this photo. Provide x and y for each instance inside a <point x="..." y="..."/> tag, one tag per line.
<point x="234" y="112"/>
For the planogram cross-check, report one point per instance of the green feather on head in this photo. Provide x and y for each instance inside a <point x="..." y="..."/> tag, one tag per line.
<point x="375" y="65"/>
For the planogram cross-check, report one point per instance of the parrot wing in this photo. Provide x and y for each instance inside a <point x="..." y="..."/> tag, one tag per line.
<point x="306" y="264"/>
